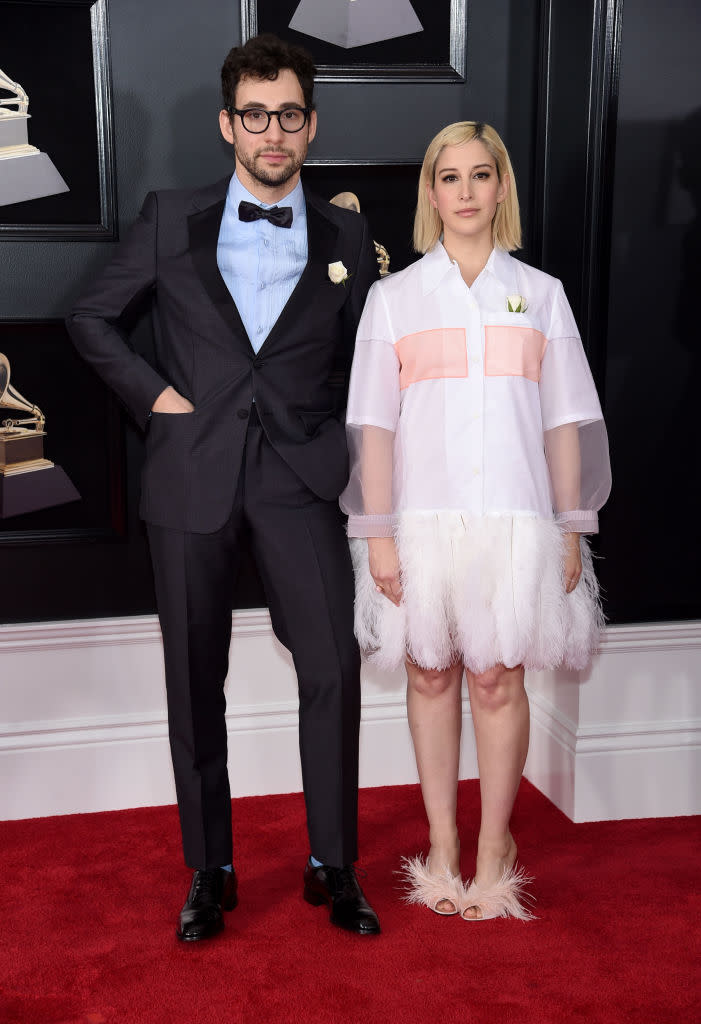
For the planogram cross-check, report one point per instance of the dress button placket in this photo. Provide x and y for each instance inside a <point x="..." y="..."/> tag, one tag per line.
<point x="477" y="336"/>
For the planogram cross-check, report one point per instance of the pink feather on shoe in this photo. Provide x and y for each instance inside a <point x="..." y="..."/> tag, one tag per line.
<point x="503" y="899"/>
<point x="429" y="888"/>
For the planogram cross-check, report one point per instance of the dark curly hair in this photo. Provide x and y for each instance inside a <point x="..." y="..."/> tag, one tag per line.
<point x="264" y="56"/>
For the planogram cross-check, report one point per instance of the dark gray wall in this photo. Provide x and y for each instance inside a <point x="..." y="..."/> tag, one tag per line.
<point x="165" y="61"/>
<point x="652" y="560"/>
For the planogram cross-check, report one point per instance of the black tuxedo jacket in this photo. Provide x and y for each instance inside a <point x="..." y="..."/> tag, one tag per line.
<point x="298" y="379"/>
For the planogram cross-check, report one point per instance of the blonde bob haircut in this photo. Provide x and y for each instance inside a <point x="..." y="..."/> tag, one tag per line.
<point x="506" y="226"/>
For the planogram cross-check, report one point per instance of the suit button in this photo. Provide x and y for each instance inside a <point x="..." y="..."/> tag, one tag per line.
<point x="242" y="414"/>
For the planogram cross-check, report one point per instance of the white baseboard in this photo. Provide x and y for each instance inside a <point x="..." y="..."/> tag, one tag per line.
<point x="596" y="758"/>
<point x="84" y="724"/>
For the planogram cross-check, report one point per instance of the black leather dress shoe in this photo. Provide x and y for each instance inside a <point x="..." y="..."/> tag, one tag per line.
<point x="212" y="891"/>
<point x="338" y="888"/>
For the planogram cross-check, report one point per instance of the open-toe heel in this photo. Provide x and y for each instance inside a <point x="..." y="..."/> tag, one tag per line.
<point x="441" y="892"/>
<point x="504" y="898"/>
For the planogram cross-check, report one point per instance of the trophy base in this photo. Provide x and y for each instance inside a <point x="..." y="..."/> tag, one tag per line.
<point x="30" y="466"/>
<point x="13" y="133"/>
<point x="20" y="446"/>
<point x="31" y="491"/>
<point x="30" y="176"/>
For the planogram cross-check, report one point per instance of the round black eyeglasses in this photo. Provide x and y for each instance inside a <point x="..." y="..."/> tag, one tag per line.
<point x="256" y="121"/>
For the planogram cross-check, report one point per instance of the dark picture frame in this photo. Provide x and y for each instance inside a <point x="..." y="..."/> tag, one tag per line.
<point x="70" y="108"/>
<point x="438" y="54"/>
<point x="85" y="435"/>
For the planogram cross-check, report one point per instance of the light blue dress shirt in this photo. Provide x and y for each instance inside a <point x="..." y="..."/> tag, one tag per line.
<point x="261" y="263"/>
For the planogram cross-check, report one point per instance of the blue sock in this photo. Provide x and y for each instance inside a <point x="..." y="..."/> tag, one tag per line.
<point x="227" y="867"/>
<point x="315" y="863"/>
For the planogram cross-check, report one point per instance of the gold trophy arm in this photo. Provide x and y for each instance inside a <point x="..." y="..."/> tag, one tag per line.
<point x="37" y="421"/>
<point x="382" y="258"/>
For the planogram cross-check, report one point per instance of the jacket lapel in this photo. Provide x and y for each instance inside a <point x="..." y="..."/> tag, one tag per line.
<point x="203" y="229"/>
<point x="322" y="245"/>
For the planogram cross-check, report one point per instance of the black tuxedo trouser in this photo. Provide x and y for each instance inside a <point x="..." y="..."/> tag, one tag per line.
<point x="301" y="550"/>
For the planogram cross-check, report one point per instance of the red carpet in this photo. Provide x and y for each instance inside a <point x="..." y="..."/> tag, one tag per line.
<point x="89" y="905"/>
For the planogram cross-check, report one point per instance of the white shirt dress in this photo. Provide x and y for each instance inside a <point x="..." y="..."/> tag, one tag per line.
<point x="476" y="440"/>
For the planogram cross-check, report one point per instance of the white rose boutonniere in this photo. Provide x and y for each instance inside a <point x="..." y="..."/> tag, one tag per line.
<point x="516" y="304"/>
<point x="338" y="273"/>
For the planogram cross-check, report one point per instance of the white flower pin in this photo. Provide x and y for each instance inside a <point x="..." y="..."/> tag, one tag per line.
<point x="516" y="304"/>
<point x="338" y="273"/>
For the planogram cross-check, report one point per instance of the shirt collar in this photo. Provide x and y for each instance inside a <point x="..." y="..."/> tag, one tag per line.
<point x="502" y="267"/>
<point x="437" y="263"/>
<point x="434" y="267"/>
<point x="238" y="192"/>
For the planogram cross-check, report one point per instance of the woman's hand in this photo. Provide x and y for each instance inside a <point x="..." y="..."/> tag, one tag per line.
<point x="573" y="561"/>
<point x="384" y="567"/>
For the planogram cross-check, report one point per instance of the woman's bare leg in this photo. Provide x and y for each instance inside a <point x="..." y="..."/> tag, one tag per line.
<point x="434" y="708"/>
<point x="501" y="720"/>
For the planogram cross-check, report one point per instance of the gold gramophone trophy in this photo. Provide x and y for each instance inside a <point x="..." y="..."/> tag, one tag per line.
<point x="21" y="441"/>
<point x="28" y="481"/>
<point x="350" y="201"/>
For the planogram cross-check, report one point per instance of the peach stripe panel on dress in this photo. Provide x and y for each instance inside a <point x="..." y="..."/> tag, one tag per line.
<point x="432" y="355"/>
<point x="513" y="352"/>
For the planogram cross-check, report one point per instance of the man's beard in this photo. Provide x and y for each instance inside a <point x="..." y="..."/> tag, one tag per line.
<point x="271" y="176"/>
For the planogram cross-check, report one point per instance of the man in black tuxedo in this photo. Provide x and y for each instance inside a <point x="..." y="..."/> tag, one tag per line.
<point x="244" y="413"/>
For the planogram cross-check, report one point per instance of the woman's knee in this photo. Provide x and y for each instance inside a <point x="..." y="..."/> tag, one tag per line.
<point x="430" y="682"/>
<point x="496" y="687"/>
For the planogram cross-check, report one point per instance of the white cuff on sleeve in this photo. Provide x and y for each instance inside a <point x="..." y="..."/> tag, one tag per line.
<point x="578" y="521"/>
<point x="372" y="526"/>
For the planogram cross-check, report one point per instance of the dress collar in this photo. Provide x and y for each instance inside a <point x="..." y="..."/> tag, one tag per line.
<point x="436" y="264"/>
<point x="502" y="266"/>
<point x="434" y="267"/>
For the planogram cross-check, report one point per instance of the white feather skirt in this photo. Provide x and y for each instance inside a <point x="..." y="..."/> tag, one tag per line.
<point x="482" y="590"/>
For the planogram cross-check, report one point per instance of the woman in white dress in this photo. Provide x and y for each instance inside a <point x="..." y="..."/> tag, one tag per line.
<point x="478" y="459"/>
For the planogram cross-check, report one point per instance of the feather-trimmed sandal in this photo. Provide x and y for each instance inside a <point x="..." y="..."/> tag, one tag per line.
<point x="431" y="889"/>
<point x="504" y="898"/>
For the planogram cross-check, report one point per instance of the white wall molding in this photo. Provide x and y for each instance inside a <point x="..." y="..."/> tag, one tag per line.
<point x="83" y="723"/>
<point x="634" y="736"/>
<point x="126" y="727"/>
<point x="655" y="636"/>
<point x="560" y="727"/>
<point x="604" y="737"/>
<point x="142" y="629"/>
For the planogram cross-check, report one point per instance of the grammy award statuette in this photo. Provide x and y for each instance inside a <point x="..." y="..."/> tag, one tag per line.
<point x="28" y="481"/>
<point x="25" y="172"/>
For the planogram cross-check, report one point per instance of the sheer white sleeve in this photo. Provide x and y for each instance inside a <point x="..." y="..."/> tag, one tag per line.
<point x="371" y="421"/>
<point x="576" y="443"/>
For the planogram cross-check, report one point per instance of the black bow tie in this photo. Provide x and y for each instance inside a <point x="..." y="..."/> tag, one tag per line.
<point x="280" y="216"/>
